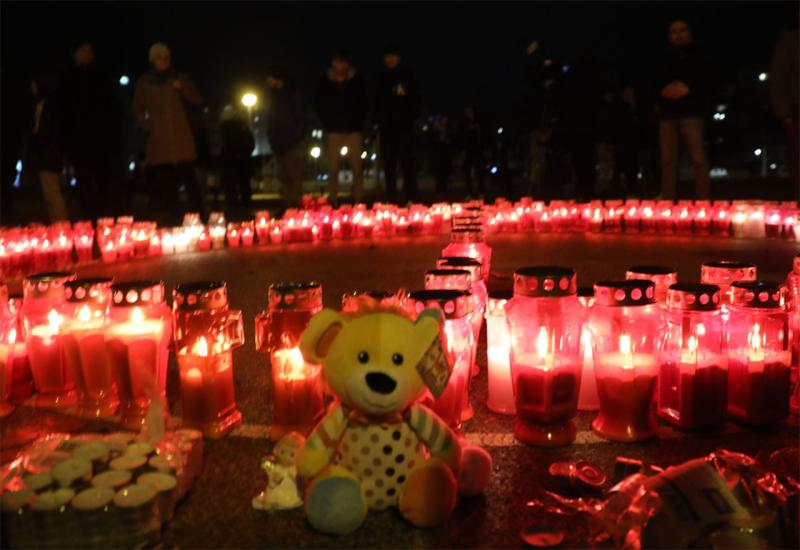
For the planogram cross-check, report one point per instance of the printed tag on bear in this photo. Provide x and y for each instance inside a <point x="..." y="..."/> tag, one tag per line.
<point x="434" y="368"/>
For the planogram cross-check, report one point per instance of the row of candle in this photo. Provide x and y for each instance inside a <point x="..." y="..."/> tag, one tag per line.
<point x="37" y="248"/>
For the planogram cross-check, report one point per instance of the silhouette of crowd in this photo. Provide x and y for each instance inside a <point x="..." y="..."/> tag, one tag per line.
<point x="583" y="141"/>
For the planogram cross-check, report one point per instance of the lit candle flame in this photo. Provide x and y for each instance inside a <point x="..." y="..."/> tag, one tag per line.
<point x="12" y="336"/>
<point x="541" y="343"/>
<point x="84" y="314"/>
<point x="200" y="347"/>
<point x="625" y="350"/>
<point x="137" y="317"/>
<point x="689" y="353"/>
<point x="756" y="341"/>
<point x="54" y="320"/>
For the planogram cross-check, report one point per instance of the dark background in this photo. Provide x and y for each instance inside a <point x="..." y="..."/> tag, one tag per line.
<point x="462" y="52"/>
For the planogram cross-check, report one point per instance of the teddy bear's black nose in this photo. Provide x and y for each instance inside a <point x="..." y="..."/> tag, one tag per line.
<point x="381" y="383"/>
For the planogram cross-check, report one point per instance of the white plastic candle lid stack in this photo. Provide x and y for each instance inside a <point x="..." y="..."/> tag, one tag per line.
<point x="37" y="482"/>
<point x="113" y="479"/>
<point x="71" y="470"/>
<point x="52" y="500"/>
<point x="93" y="498"/>
<point x="92" y="451"/>
<point x="134" y="496"/>
<point x="128" y="462"/>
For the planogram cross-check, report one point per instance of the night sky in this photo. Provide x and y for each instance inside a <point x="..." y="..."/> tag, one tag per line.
<point x="462" y="52"/>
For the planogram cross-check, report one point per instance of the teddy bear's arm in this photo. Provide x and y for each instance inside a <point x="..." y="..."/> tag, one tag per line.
<point x="439" y="438"/>
<point x="321" y="443"/>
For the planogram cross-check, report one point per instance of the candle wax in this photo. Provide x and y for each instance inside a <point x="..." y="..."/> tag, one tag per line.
<point x="501" y="391"/>
<point x="627" y="411"/>
<point x="207" y="394"/>
<point x="758" y="394"/>
<point x="693" y="397"/>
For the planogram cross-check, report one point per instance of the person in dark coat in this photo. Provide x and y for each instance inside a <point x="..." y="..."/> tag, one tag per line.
<point x="441" y="152"/>
<point x="625" y="136"/>
<point x="93" y="133"/>
<point x="159" y="104"/>
<point x="236" y="166"/>
<point x="683" y="99"/>
<point x="397" y="106"/>
<point x="342" y="105"/>
<point x="286" y="130"/>
<point x="45" y="150"/>
<point x="472" y="139"/>
<point x="783" y="86"/>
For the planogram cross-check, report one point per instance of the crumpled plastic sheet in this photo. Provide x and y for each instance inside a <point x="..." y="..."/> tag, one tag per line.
<point x="761" y="487"/>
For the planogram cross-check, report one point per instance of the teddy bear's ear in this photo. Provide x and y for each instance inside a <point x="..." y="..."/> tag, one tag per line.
<point x="320" y="334"/>
<point x="432" y="364"/>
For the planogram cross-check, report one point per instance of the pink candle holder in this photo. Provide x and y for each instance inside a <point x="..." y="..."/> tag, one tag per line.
<point x="613" y="216"/>
<point x="262" y="227"/>
<point x="545" y="320"/>
<point x="773" y="223"/>
<point x="721" y="221"/>
<point x="647" y="220"/>
<point x="84" y="347"/>
<point x="108" y="252"/>
<point x="290" y="307"/>
<point x="380" y="298"/>
<point x="44" y="296"/>
<point x="22" y="386"/>
<point x="206" y="332"/>
<point x="632" y="216"/>
<point x="759" y="355"/>
<point x="665" y="220"/>
<point x="626" y="325"/>
<point x="8" y="339"/>
<point x="456" y="307"/>
<point x="470" y="243"/>
<point x="234" y="235"/>
<point x="138" y="333"/>
<point x="693" y="368"/>
<point x="276" y="232"/>
<point x="587" y="396"/>
<point x="702" y="217"/>
<point x="663" y="277"/>
<point x="248" y="233"/>
<point x="498" y="350"/>
<point x="722" y="273"/>
<point x="684" y="219"/>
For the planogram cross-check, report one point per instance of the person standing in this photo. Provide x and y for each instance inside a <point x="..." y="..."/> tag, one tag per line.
<point x="441" y="152"/>
<point x="159" y="107"/>
<point x="93" y="132"/>
<point x="236" y="166"/>
<point x="397" y="106"/>
<point x="783" y="86"/>
<point x="682" y="103"/>
<point x="342" y="105"/>
<point x="45" y="150"/>
<point x="472" y="139"/>
<point x="286" y="131"/>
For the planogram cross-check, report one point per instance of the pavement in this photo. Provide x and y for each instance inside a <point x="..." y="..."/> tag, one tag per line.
<point x="217" y="513"/>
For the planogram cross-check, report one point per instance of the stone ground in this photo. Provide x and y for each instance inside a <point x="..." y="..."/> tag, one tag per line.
<point x="217" y="512"/>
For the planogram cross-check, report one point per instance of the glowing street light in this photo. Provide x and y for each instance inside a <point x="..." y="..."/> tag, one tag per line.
<point x="315" y="152"/>
<point x="124" y="80"/>
<point x="343" y="151"/>
<point x="363" y="154"/>
<point x="762" y="77"/>
<point x="758" y="152"/>
<point x="249" y="100"/>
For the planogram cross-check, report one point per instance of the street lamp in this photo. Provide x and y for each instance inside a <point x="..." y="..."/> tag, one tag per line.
<point x="249" y="100"/>
<point x="343" y="151"/>
<point x="316" y="152"/>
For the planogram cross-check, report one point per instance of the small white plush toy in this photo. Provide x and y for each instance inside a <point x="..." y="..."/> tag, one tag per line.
<point x="282" y="492"/>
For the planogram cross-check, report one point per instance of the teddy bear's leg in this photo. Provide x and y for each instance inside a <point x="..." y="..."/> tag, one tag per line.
<point x="335" y="502"/>
<point x="475" y="469"/>
<point x="428" y="496"/>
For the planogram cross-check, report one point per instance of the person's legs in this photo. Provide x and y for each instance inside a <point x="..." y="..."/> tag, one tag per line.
<point x="335" y="143"/>
<point x="228" y="175"/>
<point x="164" y="193"/>
<point x="53" y="197"/>
<point x="291" y="177"/>
<point x="389" y="152"/>
<point x="355" y="145"/>
<point x="185" y="172"/>
<point x="668" y="144"/>
<point x="406" y="154"/>
<point x="245" y="175"/>
<point x="88" y="177"/>
<point x="692" y="132"/>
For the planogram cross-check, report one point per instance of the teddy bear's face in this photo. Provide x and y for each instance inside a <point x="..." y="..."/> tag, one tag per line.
<point x="370" y="361"/>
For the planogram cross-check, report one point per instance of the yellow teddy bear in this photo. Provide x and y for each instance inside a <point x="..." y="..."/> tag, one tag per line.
<point x="377" y="446"/>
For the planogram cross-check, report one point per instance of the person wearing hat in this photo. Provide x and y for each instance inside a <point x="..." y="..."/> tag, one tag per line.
<point x="397" y="106"/>
<point x="342" y="104"/>
<point x="160" y="105"/>
<point x="93" y="132"/>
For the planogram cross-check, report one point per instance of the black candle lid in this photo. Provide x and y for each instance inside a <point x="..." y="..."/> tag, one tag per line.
<point x="47" y="283"/>
<point x="693" y="297"/>
<point x="547" y="281"/>
<point x="757" y="294"/>
<point x="629" y="292"/>
<point x="497" y="301"/>
<point x="137" y="293"/>
<point x="200" y="295"/>
<point x="305" y="295"/>
<point x="90" y="289"/>
<point x="455" y="304"/>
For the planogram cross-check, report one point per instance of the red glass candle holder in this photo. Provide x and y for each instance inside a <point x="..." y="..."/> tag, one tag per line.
<point x="234" y="235"/>
<point x="632" y="216"/>
<point x="44" y="296"/>
<point x="759" y="354"/>
<point x="456" y="307"/>
<point x="702" y="217"/>
<point x="587" y="396"/>
<point x="665" y="221"/>
<point x="498" y="351"/>
<point x="721" y="220"/>
<point x="22" y="386"/>
<point x="693" y="368"/>
<point x="206" y="333"/>
<point x="477" y="286"/>
<point x="83" y="341"/>
<point x="723" y="273"/>
<point x="648" y="220"/>
<point x="248" y="233"/>
<point x="290" y="307"/>
<point x="793" y="286"/>
<point x="138" y="333"/>
<point x="612" y="221"/>
<point x="684" y="219"/>
<point x="545" y="320"/>
<point x="663" y="277"/>
<point x="276" y="232"/>
<point x="626" y="326"/>
<point x="8" y="339"/>
<point x="469" y="243"/>
<point x="352" y="301"/>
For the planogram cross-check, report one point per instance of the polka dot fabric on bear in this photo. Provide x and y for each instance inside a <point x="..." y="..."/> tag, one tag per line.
<point x="382" y="457"/>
